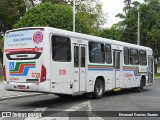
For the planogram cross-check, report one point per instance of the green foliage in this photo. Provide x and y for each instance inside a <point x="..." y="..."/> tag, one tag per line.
<point x="112" y="33"/>
<point x="1" y="43"/>
<point x="53" y="15"/>
<point x="10" y="12"/>
<point x="91" y="7"/>
<point x="149" y="24"/>
<point x="46" y="15"/>
<point x="55" y="1"/>
<point x="94" y="9"/>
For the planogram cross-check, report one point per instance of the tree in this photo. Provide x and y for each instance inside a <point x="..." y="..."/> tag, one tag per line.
<point x="53" y="15"/>
<point x="128" y="5"/>
<point x="83" y="7"/>
<point x="56" y="1"/>
<point x="94" y="9"/>
<point x="114" y="32"/>
<point x="10" y="12"/>
<point x="149" y="24"/>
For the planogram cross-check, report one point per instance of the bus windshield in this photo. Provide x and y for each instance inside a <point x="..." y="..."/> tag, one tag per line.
<point x="24" y="44"/>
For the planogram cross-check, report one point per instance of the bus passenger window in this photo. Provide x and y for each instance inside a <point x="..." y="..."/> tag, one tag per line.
<point x="83" y="57"/>
<point x="142" y="57"/>
<point x="108" y="54"/>
<point x="126" y="55"/>
<point x="61" y="49"/>
<point x="134" y="58"/>
<point x="76" y="56"/>
<point x="96" y="52"/>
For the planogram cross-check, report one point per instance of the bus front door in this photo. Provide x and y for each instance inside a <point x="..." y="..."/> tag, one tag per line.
<point x="117" y="68"/>
<point x="150" y="70"/>
<point x="79" y="67"/>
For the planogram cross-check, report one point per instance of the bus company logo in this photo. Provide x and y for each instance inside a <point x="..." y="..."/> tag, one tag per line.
<point x="128" y="75"/>
<point x="21" y="68"/>
<point x="38" y="37"/>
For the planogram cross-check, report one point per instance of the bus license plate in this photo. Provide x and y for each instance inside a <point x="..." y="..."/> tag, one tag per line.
<point x="22" y="87"/>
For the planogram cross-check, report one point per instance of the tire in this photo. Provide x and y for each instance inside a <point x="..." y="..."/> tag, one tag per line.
<point x="140" y="88"/>
<point x="98" y="89"/>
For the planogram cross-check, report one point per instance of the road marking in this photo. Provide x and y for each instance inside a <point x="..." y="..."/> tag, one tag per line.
<point x="94" y="116"/>
<point x="76" y="107"/>
<point x="54" y="118"/>
<point x="20" y="96"/>
<point x="89" y="106"/>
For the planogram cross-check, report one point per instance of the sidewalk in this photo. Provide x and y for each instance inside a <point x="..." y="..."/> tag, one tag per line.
<point x="4" y="94"/>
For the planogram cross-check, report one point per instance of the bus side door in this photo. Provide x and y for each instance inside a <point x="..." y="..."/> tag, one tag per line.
<point x="79" y="68"/>
<point x="117" y="67"/>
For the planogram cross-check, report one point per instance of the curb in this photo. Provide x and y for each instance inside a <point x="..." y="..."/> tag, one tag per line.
<point x="156" y="78"/>
<point x="21" y="96"/>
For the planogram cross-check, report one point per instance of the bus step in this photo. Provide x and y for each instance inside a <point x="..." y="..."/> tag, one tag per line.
<point x="117" y="89"/>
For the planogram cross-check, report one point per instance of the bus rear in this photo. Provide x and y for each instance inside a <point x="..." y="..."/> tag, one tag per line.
<point x="24" y="68"/>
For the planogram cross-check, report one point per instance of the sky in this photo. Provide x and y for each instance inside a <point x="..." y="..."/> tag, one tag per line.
<point x="113" y="7"/>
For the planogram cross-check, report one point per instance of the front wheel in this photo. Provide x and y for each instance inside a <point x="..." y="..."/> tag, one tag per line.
<point x="98" y="89"/>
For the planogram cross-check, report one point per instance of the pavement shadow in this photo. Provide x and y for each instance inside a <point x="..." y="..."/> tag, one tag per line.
<point x="53" y="102"/>
<point x="124" y="92"/>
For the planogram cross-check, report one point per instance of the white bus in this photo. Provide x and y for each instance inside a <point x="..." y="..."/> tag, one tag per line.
<point x="45" y="59"/>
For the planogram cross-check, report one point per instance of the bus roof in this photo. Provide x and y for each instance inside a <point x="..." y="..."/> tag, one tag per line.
<point x="84" y="36"/>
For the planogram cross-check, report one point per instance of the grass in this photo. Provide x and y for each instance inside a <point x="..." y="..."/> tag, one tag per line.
<point x="1" y="78"/>
<point x="156" y="75"/>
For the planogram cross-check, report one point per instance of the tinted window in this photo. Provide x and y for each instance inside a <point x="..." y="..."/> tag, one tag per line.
<point x="76" y="56"/>
<point x="96" y="52"/>
<point x="108" y="54"/>
<point x="126" y="55"/>
<point x="134" y="59"/>
<point x="61" y="49"/>
<point x="117" y="60"/>
<point x="82" y="56"/>
<point x="142" y="57"/>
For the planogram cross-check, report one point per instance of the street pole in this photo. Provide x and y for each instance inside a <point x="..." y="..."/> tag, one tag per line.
<point x="138" y="32"/>
<point x="73" y="15"/>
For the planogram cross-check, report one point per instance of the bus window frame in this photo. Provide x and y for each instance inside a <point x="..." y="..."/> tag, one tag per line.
<point x="53" y="58"/>
<point x="128" y="49"/>
<point x="103" y="62"/>
<point x="107" y="54"/>
<point x="131" y="56"/>
<point x="141" y="57"/>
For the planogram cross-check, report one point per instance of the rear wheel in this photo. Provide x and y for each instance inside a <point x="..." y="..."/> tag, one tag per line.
<point x="140" y="88"/>
<point x="98" y="89"/>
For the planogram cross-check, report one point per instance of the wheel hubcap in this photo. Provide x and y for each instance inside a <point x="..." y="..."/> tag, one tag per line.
<point x="99" y="89"/>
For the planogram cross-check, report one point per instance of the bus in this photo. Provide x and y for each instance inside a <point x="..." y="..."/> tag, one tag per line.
<point x="50" y="60"/>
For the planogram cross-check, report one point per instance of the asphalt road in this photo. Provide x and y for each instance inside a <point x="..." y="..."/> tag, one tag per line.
<point x="52" y="107"/>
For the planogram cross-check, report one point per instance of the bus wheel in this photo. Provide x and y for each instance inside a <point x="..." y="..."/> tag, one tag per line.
<point x="98" y="89"/>
<point x="140" y="88"/>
